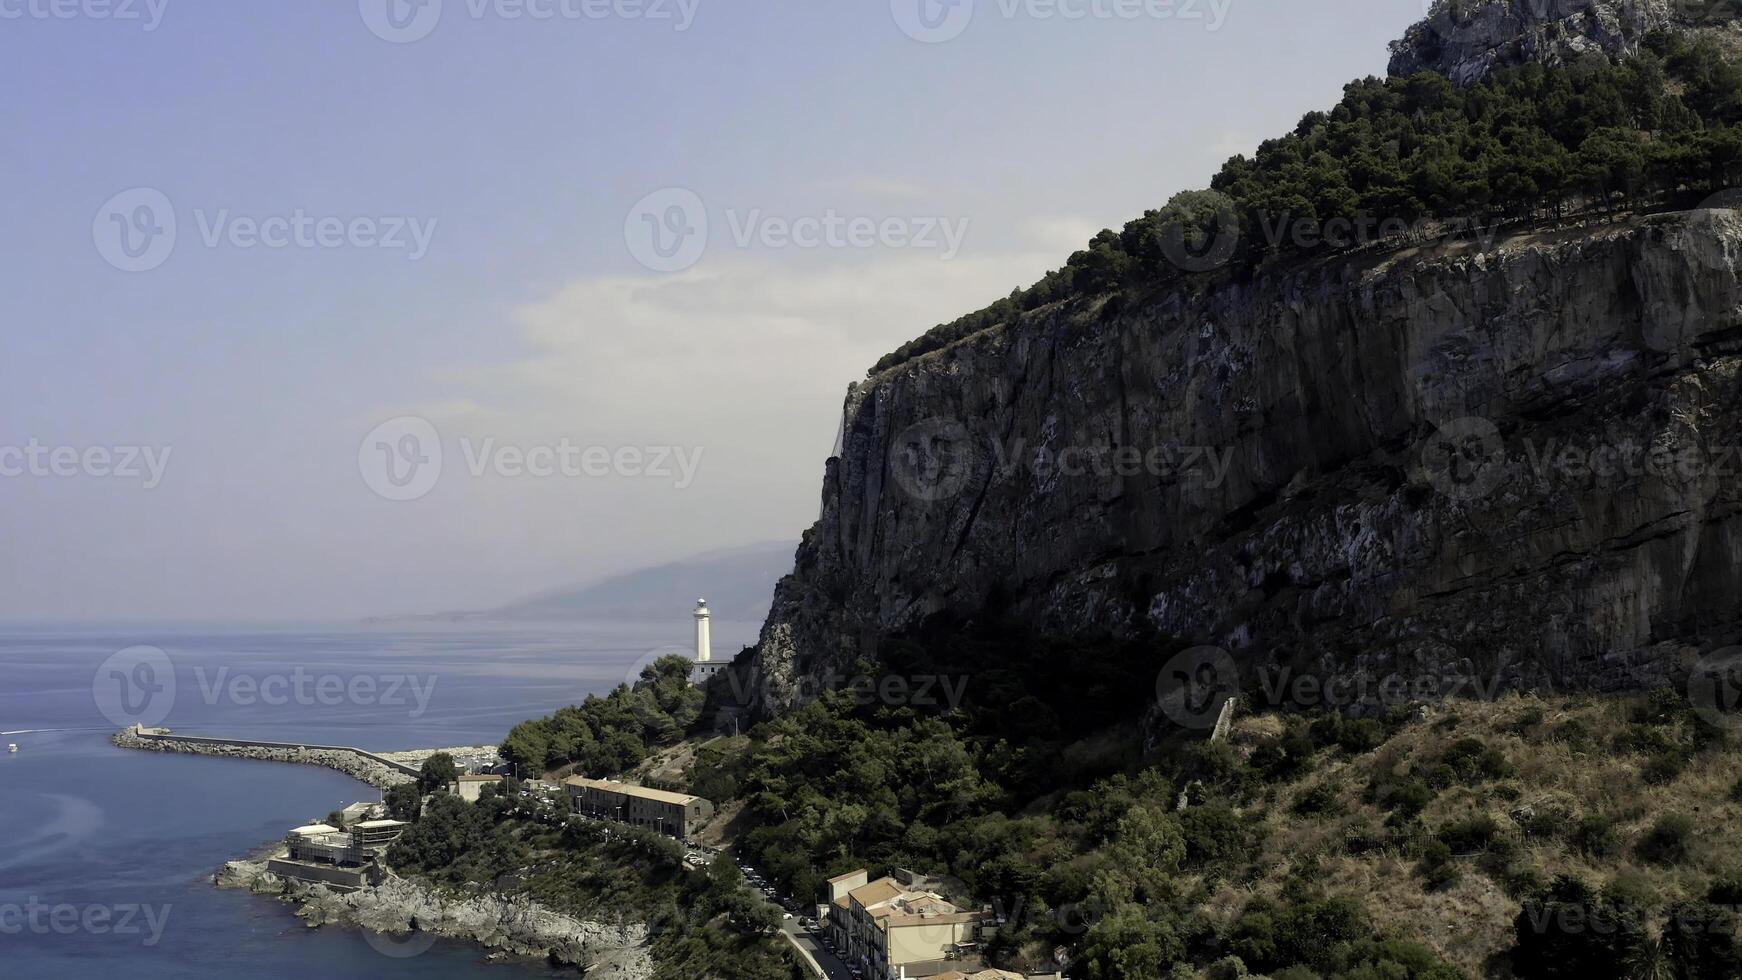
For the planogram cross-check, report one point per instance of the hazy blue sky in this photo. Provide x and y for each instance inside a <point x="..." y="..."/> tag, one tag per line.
<point x="523" y="148"/>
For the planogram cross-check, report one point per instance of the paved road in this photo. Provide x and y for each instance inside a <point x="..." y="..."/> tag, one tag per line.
<point x="835" y="969"/>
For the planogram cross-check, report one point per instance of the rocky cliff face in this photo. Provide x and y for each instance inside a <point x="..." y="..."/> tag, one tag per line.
<point x="1466" y="39"/>
<point x="1517" y="464"/>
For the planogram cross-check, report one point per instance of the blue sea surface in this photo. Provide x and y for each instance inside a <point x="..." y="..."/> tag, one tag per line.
<point x="106" y="855"/>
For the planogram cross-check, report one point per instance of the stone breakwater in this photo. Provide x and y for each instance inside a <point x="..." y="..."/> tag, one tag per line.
<point x="401" y="918"/>
<point x="356" y="763"/>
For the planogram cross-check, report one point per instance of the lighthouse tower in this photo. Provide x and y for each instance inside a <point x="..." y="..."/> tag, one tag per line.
<point x="706" y="668"/>
<point x="704" y="643"/>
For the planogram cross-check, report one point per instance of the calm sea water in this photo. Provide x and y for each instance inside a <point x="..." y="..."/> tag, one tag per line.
<point x="106" y="855"/>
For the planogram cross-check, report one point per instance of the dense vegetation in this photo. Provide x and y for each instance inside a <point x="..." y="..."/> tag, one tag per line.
<point x="704" y="925"/>
<point x="610" y="734"/>
<point x="1526" y="143"/>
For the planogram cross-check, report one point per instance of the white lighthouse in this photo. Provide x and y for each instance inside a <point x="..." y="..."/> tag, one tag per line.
<point x="704" y="643"/>
<point x="705" y="668"/>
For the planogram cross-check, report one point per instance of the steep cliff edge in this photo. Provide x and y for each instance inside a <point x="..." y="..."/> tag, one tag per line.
<point x="1517" y="463"/>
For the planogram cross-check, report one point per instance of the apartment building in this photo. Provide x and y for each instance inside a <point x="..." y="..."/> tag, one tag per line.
<point x="893" y="928"/>
<point x="673" y="814"/>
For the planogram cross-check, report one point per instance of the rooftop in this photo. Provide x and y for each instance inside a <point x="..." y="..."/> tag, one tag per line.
<point x="892" y="905"/>
<point x="380" y="824"/>
<point x="314" y="830"/>
<point x="641" y="792"/>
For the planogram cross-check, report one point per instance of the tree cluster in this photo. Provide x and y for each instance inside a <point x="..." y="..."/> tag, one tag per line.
<point x="607" y="735"/>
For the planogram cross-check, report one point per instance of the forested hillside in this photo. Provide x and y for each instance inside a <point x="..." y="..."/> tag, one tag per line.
<point x="1399" y="158"/>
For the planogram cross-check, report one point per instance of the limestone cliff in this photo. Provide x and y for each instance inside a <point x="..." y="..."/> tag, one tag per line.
<point x="1466" y="39"/>
<point x="1517" y="462"/>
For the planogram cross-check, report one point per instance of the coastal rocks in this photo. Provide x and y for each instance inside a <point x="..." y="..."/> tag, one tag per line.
<point x="1465" y="40"/>
<point x="398" y="908"/>
<point x="350" y="762"/>
<point x="1516" y="466"/>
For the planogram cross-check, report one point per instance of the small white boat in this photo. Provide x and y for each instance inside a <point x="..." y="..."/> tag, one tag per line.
<point x="13" y="747"/>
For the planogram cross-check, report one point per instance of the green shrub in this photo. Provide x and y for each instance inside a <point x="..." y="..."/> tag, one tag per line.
<point x="1667" y="841"/>
<point x="1664" y="767"/>
<point x="1471" y="761"/>
<point x="1437" y="868"/>
<point x="1405" y="797"/>
<point x="1471" y="834"/>
<point x="1574" y="734"/>
<point x="1320" y="800"/>
<point x="1594" y="835"/>
<point x="1214" y="834"/>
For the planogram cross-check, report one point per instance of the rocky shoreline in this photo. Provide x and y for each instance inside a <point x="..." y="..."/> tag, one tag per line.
<point x="403" y="918"/>
<point x="351" y="764"/>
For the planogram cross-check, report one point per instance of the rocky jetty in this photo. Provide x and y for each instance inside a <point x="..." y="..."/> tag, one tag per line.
<point x="403" y="918"/>
<point x="351" y="763"/>
<point x="1516" y="463"/>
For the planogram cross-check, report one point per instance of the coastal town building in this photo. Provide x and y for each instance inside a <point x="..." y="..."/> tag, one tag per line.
<point x="471" y="787"/>
<point x="324" y="854"/>
<point x="894" y="928"/>
<point x="673" y="814"/>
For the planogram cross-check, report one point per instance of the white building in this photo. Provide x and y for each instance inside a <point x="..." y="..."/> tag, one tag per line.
<point x="706" y="668"/>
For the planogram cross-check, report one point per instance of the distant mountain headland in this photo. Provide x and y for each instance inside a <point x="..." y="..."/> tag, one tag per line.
<point x="737" y="582"/>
